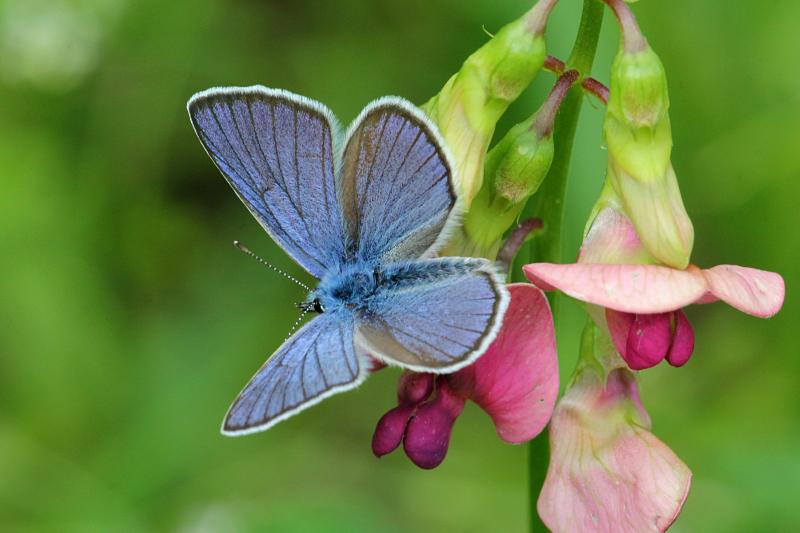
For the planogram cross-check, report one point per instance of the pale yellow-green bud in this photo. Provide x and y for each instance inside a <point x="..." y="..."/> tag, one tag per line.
<point x="520" y="163"/>
<point x="473" y="100"/>
<point x="514" y="169"/>
<point x="639" y="138"/>
<point x="637" y="127"/>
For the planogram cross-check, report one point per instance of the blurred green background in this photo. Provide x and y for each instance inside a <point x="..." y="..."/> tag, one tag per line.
<point x="128" y="322"/>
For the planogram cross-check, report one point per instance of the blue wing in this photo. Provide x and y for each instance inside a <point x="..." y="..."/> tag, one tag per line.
<point x="397" y="192"/>
<point x="434" y="316"/>
<point x="314" y="363"/>
<point x="276" y="150"/>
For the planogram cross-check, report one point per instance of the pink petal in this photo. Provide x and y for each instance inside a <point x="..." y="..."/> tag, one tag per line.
<point x="649" y="339"/>
<point x="607" y="471"/>
<point x="619" y="325"/>
<point x="612" y="239"/>
<point x="516" y="380"/>
<point x="414" y="387"/>
<point x="427" y="435"/>
<point x="682" y="341"/>
<point x="390" y="429"/>
<point x="640" y="289"/>
<point x="755" y="292"/>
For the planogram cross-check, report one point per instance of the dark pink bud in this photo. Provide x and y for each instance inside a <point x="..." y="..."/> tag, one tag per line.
<point x="619" y="325"/>
<point x="648" y="340"/>
<point x="682" y="341"/>
<point x="414" y="388"/>
<point x="427" y="435"/>
<point x="390" y="428"/>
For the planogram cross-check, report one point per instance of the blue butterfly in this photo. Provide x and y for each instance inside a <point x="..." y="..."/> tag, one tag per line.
<point x="365" y="214"/>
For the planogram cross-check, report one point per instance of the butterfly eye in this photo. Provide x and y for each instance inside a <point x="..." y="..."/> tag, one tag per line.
<point x="318" y="307"/>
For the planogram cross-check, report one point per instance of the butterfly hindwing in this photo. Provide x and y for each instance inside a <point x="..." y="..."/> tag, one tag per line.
<point x="396" y="186"/>
<point x="435" y="315"/>
<point x="276" y="150"/>
<point x="314" y="363"/>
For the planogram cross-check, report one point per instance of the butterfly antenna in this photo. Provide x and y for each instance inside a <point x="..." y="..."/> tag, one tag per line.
<point x="247" y="251"/>
<point x="297" y="322"/>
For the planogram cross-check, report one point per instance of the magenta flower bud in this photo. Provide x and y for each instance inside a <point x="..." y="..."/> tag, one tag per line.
<point x="682" y="340"/>
<point x="427" y="435"/>
<point x="644" y="340"/>
<point x="648" y="340"/>
<point x="390" y="429"/>
<point x="414" y="388"/>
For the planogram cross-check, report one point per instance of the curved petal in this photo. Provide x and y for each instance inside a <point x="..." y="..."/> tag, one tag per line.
<point x="612" y="239"/>
<point x="682" y="341"/>
<point x="648" y="341"/>
<point x="607" y="472"/>
<point x="516" y="380"/>
<point x="640" y="289"/>
<point x="427" y="435"/>
<point x="390" y="429"/>
<point x="752" y="291"/>
<point x="619" y="325"/>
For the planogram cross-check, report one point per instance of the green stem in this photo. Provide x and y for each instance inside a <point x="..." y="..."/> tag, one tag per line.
<point x="548" y="205"/>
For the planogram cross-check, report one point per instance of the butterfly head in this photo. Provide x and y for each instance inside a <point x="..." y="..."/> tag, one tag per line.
<point x="314" y="305"/>
<point x="350" y="289"/>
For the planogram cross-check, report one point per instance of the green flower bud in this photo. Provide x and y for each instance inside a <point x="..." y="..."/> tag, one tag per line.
<point x="473" y="100"/>
<point x="514" y="169"/>
<point x="522" y="166"/>
<point x="637" y="127"/>
<point x="639" y="138"/>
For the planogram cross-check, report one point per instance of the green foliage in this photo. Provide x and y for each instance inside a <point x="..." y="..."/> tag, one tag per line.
<point x="128" y="322"/>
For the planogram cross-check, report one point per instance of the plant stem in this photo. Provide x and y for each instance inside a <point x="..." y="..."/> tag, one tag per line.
<point x="548" y="205"/>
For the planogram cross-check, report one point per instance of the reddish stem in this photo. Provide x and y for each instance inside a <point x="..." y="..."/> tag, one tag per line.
<point x="632" y="37"/>
<point x="555" y="65"/>
<point x="516" y="239"/>
<point x="546" y="116"/>
<point x="590" y="85"/>
<point x="537" y="16"/>
<point x="596" y="88"/>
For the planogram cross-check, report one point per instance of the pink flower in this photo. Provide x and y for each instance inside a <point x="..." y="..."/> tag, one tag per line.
<point x="643" y="302"/>
<point x="515" y="382"/>
<point x="607" y="472"/>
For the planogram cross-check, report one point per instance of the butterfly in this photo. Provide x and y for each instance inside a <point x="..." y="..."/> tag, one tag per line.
<point x="364" y="213"/>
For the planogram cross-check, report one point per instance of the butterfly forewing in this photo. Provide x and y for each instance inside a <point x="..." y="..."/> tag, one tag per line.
<point x="434" y="316"/>
<point x="276" y="150"/>
<point x="316" y="362"/>
<point x="396" y="193"/>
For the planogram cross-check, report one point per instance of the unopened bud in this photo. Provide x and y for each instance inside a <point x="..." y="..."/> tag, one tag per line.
<point x="473" y="100"/>
<point x="637" y="126"/>
<point x="515" y="168"/>
<point x="639" y="138"/>
<point x="523" y="166"/>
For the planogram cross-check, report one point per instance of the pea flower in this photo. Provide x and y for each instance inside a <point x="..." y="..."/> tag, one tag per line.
<point x="643" y="302"/>
<point x="607" y="471"/>
<point x="515" y="382"/>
